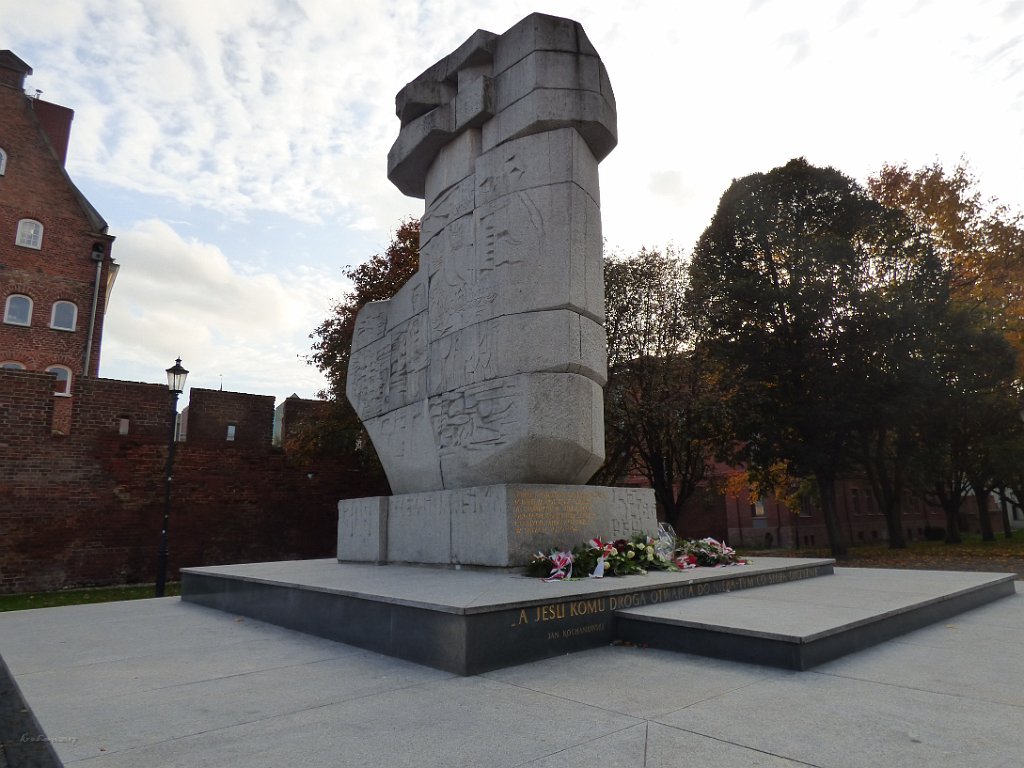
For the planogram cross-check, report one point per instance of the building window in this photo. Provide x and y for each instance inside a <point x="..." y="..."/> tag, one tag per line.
<point x="231" y="433"/>
<point x="124" y="424"/>
<point x="63" y="376"/>
<point x="855" y="500"/>
<point x="30" y="234"/>
<point x="3" y="162"/>
<point x="64" y="316"/>
<point x="18" y="310"/>
<point x="11" y="365"/>
<point x="806" y="510"/>
<point x="757" y="508"/>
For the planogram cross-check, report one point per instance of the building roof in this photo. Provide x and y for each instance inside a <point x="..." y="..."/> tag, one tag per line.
<point x="9" y="61"/>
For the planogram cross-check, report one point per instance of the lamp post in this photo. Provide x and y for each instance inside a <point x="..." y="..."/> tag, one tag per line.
<point x="176" y="376"/>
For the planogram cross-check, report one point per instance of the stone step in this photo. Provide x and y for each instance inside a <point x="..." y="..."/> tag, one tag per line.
<point x="805" y="623"/>
<point x="466" y="621"/>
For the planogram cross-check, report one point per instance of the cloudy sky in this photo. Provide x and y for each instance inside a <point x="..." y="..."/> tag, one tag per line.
<point x="237" y="148"/>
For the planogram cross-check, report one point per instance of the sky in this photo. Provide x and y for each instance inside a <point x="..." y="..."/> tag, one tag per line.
<point x="238" y="148"/>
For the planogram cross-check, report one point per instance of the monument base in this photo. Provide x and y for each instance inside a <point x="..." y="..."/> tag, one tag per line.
<point x="492" y="525"/>
<point x="468" y="621"/>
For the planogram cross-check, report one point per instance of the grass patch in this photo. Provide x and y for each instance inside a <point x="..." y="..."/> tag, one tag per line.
<point x="28" y="600"/>
<point x="973" y="554"/>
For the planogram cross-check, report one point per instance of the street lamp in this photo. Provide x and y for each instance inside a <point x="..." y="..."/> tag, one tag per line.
<point x="175" y="383"/>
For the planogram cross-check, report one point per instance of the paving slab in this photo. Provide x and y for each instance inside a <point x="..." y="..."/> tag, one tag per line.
<point x="643" y="683"/>
<point x="610" y="706"/>
<point x="974" y="653"/>
<point x="805" y="623"/>
<point x="826" y="720"/>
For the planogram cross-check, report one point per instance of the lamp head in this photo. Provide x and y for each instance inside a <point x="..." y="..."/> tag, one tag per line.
<point x="176" y="377"/>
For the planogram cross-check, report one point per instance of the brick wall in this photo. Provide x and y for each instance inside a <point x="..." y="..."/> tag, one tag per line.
<point x="36" y="186"/>
<point x="85" y="507"/>
<point x="296" y="413"/>
<point x="210" y="412"/>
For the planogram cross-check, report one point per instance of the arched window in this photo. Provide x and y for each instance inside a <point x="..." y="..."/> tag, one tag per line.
<point x="63" y="375"/>
<point x="18" y="310"/>
<point x="11" y="365"/>
<point x="3" y="162"/>
<point x="30" y="234"/>
<point x="64" y="316"/>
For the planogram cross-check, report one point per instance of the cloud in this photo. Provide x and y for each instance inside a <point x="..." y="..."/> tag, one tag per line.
<point x="181" y="297"/>
<point x="850" y="11"/>
<point x="799" y="41"/>
<point x="286" y="106"/>
<point x="667" y="184"/>
<point x="237" y="107"/>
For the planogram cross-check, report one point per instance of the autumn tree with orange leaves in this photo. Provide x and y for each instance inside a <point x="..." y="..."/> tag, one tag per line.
<point x="980" y="240"/>
<point x="973" y="432"/>
<point x="341" y="433"/>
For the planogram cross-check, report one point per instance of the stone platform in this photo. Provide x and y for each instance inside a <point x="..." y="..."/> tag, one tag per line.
<point x="463" y="621"/>
<point x="799" y="626"/>
<point x="472" y="621"/>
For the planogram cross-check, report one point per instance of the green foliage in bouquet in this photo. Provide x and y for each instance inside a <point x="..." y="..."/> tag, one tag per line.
<point x="635" y="555"/>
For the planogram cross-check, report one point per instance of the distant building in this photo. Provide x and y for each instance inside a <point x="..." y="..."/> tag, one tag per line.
<point x="723" y="507"/>
<point x="82" y="458"/>
<point x="56" y="269"/>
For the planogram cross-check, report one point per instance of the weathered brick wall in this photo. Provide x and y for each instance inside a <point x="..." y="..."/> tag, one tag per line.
<point x="211" y="411"/>
<point x="86" y="508"/>
<point x="35" y="186"/>
<point x="298" y="413"/>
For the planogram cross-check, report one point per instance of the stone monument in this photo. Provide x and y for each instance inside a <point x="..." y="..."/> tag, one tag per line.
<point x="480" y="382"/>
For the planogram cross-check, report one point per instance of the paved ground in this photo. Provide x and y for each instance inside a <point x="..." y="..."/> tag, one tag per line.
<point x="163" y="683"/>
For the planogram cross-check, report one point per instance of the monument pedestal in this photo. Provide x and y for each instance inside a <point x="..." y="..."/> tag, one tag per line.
<point x="492" y="525"/>
<point x="467" y="621"/>
<point x="774" y="611"/>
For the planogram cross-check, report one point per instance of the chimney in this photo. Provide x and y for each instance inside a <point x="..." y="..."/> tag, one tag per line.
<point x="13" y="70"/>
<point x="54" y="120"/>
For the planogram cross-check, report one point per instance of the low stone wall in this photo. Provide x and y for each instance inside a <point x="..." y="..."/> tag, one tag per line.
<point x="83" y="505"/>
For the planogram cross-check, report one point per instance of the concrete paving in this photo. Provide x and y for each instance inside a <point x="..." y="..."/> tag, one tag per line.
<point x="165" y="683"/>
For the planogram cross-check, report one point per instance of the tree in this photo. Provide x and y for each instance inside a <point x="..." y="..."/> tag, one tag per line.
<point x="375" y="280"/>
<point x="972" y="426"/>
<point x="662" y="410"/>
<point x="906" y="298"/>
<point x="794" y="287"/>
<point x="981" y="242"/>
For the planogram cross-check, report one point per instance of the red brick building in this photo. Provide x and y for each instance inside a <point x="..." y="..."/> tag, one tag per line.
<point x="726" y="510"/>
<point x="83" y="504"/>
<point x="82" y="459"/>
<point x="56" y="269"/>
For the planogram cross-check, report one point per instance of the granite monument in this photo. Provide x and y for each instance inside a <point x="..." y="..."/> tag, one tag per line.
<point x="480" y="382"/>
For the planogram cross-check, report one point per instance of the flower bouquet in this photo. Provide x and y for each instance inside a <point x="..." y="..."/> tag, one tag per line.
<point x="636" y="555"/>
